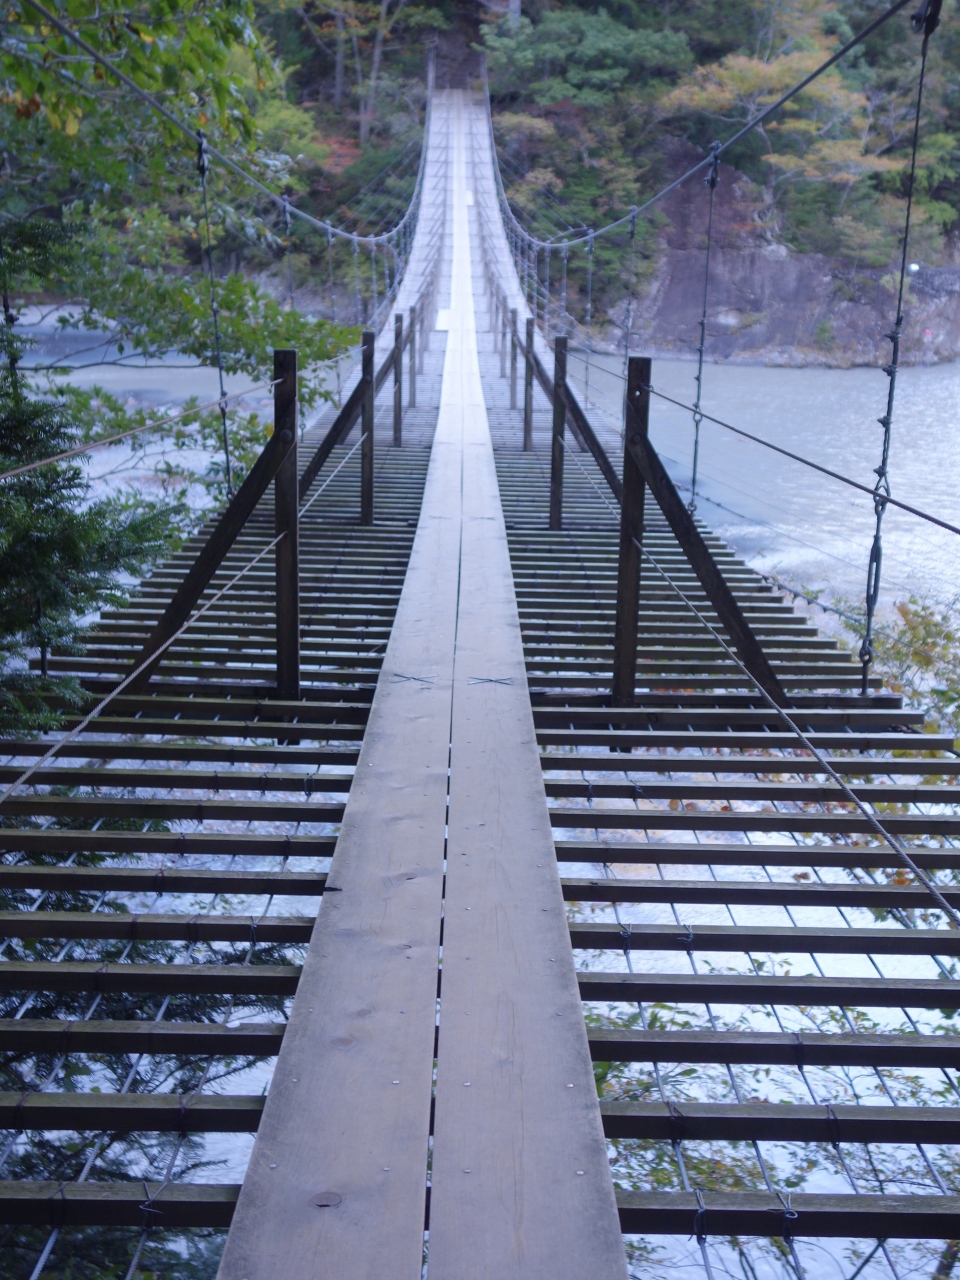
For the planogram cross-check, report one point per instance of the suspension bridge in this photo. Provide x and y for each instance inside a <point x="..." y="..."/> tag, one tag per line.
<point x="459" y="708"/>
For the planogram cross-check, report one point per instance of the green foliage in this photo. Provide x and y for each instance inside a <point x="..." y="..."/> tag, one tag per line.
<point x="61" y="554"/>
<point x="585" y="58"/>
<point x="918" y="655"/>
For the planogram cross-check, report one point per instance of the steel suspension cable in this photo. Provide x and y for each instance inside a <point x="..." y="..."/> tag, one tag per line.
<point x="807" y="462"/>
<point x="711" y="181"/>
<point x="742" y="132"/>
<point x="926" y="20"/>
<point x="823" y="761"/>
<point x="203" y="166"/>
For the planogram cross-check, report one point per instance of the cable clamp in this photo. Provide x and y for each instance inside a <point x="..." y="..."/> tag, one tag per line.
<point x="678" y="1122"/>
<point x="700" y="1218"/>
<point x="801" y="1048"/>
<point x="203" y="159"/>
<point x="626" y="933"/>
<point x="789" y="1215"/>
<point x="927" y="17"/>
<point x="713" y="176"/>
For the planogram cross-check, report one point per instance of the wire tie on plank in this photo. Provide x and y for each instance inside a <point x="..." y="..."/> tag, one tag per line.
<point x="686" y="939"/>
<point x="678" y="1123"/>
<point x="833" y="1121"/>
<point x="58" y="1206"/>
<point x="800" y="1047"/>
<point x="700" y="1218"/>
<point x="789" y="1215"/>
<point x="626" y="932"/>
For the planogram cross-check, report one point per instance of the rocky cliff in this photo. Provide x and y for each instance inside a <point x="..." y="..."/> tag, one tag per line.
<point x="769" y="305"/>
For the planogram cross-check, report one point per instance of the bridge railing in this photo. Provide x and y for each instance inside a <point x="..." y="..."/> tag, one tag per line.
<point x="642" y="470"/>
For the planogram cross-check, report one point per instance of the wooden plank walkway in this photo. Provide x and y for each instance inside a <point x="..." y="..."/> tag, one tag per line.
<point x="485" y="851"/>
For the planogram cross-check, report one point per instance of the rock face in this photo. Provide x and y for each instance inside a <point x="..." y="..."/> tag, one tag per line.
<point x="769" y="305"/>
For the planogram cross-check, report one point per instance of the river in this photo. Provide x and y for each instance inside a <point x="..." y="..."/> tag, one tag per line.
<point x="787" y="519"/>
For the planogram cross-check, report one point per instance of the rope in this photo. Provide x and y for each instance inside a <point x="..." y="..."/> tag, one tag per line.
<point x="203" y="165"/>
<point x="926" y="20"/>
<point x="849" y="795"/>
<point x="711" y="181"/>
<point x="889" y="839"/>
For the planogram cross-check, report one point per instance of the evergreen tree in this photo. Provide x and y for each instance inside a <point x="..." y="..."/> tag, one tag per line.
<point x="61" y="553"/>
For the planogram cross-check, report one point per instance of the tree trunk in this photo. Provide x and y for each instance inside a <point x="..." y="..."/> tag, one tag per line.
<point x="367" y="107"/>
<point x="338" y="63"/>
<point x="948" y="1260"/>
<point x="513" y="13"/>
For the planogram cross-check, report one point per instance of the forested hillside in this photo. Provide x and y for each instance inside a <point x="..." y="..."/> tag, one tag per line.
<point x="596" y="106"/>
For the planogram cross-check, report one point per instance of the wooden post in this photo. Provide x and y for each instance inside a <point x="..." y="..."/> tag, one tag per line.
<point x="286" y="521"/>
<point x="426" y="310"/>
<point x="412" y="339"/>
<point x="636" y="423"/>
<point x="528" y="390"/>
<point x="559" y="419"/>
<point x="503" y="339"/>
<point x="366" y="427"/>
<point x="513" y="357"/>
<point x="397" y="381"/>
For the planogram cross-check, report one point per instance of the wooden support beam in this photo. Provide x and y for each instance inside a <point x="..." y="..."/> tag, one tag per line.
<point x="174" y="927"/>
<point x="730" y="854"/>
<point x="310" y="884"/>
<point x="713" y="988"/>
<point x="773" y="1122"/>
<point x="172" y="979"/>
<point x="799" y="1049"/>
<point x="503" y="339"/>
<point x="696" y="550"/>
<point x="203" y="1039"/>
<point x="887" y="1216"/>
<point x="631" y="539"/>
<point x="130" y="1112"/>
<point x="287" y="524"/>
<point x="781" y="940"/>
<point x="366" y="427"/>
<point x="158" y="1205"/>
<point x="559" y="421"/>
<point x="783" y="893"/>
<point x="397" y="380"/>
<point x="528" y="388"/>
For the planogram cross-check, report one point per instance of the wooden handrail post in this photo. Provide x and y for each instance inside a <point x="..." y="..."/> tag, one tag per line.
<point x="559" y="421"/>
<point x="513" y="357"/>
<point x="412" y="339"/>
<point x="397" y="380"/>
<point x="528" y="390"/>
<point x="286" y="522"/>
<point x="426" y="310"/>
<point x="503" y="339"/>
<point x="366" y="427"/>
<point x="636" y="423"/>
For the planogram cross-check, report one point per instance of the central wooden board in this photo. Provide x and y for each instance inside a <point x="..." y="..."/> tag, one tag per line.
<point x="521" y="1183"/>
<point x="336" y="1185"/>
